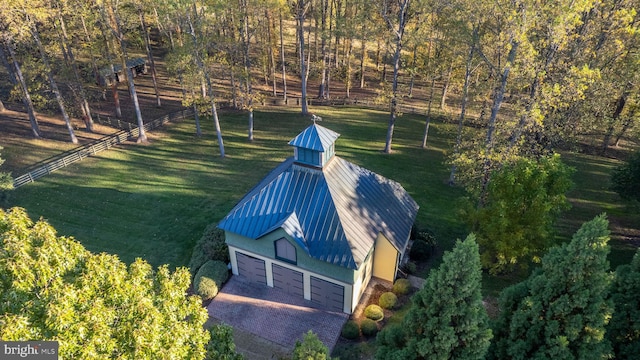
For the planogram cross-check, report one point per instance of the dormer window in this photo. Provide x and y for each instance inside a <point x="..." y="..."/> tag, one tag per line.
<point x="285" y="251"/>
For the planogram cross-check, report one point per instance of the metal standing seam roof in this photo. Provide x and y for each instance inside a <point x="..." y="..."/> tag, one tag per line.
<point x="315" y="137"/>
<point x="334" y="213"/>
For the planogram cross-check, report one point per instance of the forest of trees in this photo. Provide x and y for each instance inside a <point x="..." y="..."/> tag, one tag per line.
<point x="531" y="77"/>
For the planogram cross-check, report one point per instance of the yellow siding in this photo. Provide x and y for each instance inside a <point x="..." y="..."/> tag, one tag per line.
<point x="385" y="258"/>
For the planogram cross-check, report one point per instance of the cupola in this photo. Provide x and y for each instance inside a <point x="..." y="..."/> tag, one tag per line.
<point x="314" y="146"/>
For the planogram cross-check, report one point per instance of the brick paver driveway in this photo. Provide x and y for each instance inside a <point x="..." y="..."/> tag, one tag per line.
<point x="273" y="314"/>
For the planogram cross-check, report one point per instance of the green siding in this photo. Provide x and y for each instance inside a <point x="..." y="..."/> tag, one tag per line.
<point x="265" y="247"/>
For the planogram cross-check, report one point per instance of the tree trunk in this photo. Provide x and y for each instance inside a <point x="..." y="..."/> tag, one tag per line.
<point x="463" y="106"/>
<point x="428" y="121"/>
<point x="26" y="97"/>
<point x="114" y="86"/>
<point x="324" y="4"/>
<point x="272" y="58"/>
<point x="413" y="70"/>
<point x="363" y="58"/>
<point x="399" y="32"/>
<point x="498" y="97"/>
<point x="300" y="14"/>
<point x="625" y="126"/>
<point x="94" y="66"/>
<point x="282" y="59"/>
<point x="205" y="72"/>
<point x="247" y="66"/>
<point x="620" y="104"/>
<point x="52" y="82"/>
<point x="86" y="109"/>
<point x="445" y="88"/>
<point x="152" y="64"/>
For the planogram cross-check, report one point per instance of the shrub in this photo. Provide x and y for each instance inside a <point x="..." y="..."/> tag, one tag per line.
<point x="625" y="179"/>
<point x="410" y="267"/>
<point x="401" y="287"/>
<point x="311" y="348"/>
<point x="420" y="250"/>
<point x="210" y="278"/>
<point x="211" y="246"/>
<point x="368" y="327"/>
<point x="425" y="236"/>
<point x="388" y="300"/>
<point x="374" y="312"/>
<point x="350" y="330"/>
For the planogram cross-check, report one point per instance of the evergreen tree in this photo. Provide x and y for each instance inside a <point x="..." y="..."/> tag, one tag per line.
<point x="311" y="348"/>
<point x="447" y="319"/>
<point x="624" y="328"/>
<point x="561" y="310"/>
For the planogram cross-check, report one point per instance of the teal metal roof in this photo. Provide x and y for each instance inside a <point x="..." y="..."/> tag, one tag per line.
<point x="334" y="213"/>
<point x="315" y="137"/>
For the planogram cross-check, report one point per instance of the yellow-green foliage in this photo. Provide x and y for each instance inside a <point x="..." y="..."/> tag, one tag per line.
<point x="388" y="300"/>
<point x="401" y="287"/>
<point x="96" y="306"/>
<point x="374" y="312"/>
<point x="210" y="278"/>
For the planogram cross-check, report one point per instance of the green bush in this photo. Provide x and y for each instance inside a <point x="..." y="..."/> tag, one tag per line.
<point x="368" y="327"/>
<point x="350" y="330"/>
<point x="210" y="278"/>
<point x="420" y="250"/>
<point x="387" y="300"/>
<point x="401" y="287"/>
<point x="625" y="179"/>
<point x="374" y="312"/>
<point x="410" y="267"/>
<point x="211" y="246"/>
<point x="425" y="236"/>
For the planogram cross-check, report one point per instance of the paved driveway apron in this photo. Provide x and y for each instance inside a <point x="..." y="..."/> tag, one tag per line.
<point x="273" y="314"/>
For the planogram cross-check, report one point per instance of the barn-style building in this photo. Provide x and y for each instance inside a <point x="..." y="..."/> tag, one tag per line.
<point x="319" y="227"/>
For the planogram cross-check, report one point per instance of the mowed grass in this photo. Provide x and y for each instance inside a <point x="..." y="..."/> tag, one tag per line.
<point x="153" y="201"/>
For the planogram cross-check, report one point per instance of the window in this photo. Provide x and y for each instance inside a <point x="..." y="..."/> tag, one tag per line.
<point x="308" y="156"/>
<point x="285" y="251"/>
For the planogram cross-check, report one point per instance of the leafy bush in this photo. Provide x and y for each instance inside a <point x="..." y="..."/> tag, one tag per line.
<point x="420" y="250"/>
<point x="401" y="287"/>
<point x="211" y="246"/>
<point x="210" y="278"/>
<point x="350" y="330"/>
<point x="374" y="312"/>
<point x="410" y="267"/>
<point x="425" y="236"/>
<point x="625" y="179"/>
<point x="387" y="300"/>
<point x="368" y="327"/>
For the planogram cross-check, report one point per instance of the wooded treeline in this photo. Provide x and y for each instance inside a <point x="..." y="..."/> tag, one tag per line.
<point x="536" y="74"/>
<point x="530" y="76"/>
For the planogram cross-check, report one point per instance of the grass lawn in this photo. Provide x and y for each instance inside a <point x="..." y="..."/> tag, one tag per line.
<point x="153" y="201"/>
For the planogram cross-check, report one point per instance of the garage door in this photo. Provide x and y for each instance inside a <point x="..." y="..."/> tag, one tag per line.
<point x="251" y="268"/>
<point x="327" y="294"/>
<point x="288" y="280"/>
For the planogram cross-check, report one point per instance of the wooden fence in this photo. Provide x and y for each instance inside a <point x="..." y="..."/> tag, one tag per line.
<point x="129" y="131"/>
